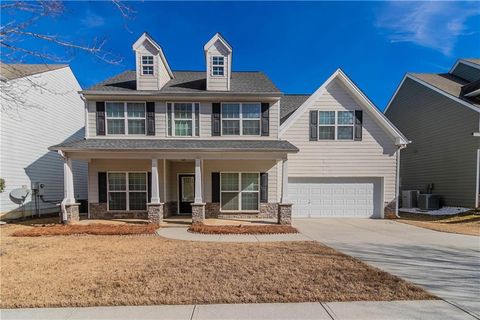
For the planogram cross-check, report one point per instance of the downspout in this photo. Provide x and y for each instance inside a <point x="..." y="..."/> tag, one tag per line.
<point x="397" y="179"/>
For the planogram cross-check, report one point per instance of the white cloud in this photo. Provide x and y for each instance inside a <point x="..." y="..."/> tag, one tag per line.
<point x="92" y="20"/>
<point x="435" y="25"/>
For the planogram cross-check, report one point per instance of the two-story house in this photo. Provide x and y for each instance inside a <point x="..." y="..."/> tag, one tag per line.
<point x="218" y="143"/>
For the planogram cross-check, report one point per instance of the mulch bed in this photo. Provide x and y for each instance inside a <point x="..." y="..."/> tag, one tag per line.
<point x="93" y="229"/>
<point x="241" y="229"/>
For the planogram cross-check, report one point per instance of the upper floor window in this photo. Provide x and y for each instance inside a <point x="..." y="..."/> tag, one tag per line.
<point x="147" y="65"/>
<point x="241" y="119"/>
<point x="218" y="66"/>
<point x="183" y="119"/>
<point x="335" y="125"/>
<point x="125" y="117"/>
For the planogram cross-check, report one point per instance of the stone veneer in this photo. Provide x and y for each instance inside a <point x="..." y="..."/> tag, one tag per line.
<point x="198" y="212"/>
<point x="155" y="212"/>
<point x="267" y="210"/>
<point x="285" y="213"/>
<point x="389" y="210"/>
<point x="73" y="213"/>
<point x="99" y="211"/>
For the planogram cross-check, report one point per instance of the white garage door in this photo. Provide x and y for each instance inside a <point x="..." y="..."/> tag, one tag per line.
<point x="335" y="197"/>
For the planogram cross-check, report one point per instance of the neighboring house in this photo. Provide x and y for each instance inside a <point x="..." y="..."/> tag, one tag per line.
<point x="440" y="113"/>
<point x="40" y="106"/>
<point x="215" y="143"/>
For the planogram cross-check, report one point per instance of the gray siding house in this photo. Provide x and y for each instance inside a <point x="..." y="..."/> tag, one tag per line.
<point x="440" y="114"/>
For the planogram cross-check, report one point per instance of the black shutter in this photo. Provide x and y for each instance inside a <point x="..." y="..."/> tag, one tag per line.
<point x="263" y="187"/>
<point x="313" y="125"/>
<point x="215" y="186"/>
<point x="102" y="187"/>
<point x="169" y="119"/>
<point x="100" y="118"/>
<point x="265" y="119"/>
<point x="150" y="118"/>
<point x="216" y="126"/>
<point x="358" y="125"/>
<point x="197" y="119"/>
<point x="149" y="187"/>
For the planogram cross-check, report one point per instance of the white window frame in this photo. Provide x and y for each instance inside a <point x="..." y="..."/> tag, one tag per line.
<point x="336" y="125"/>
<point x="142" y="64"/>
<point x="219" y="66"/>
<point x="241" y="119"/>
<point x="126" y="191"/>
<point x="193" y="119"/>
<point x="240" y="191"/>
<point x="125" y="118"/>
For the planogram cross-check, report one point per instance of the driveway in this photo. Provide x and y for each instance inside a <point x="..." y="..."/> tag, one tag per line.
<point x="446" y="264"/>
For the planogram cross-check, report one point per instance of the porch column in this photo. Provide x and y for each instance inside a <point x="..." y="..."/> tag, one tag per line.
<point x="285" y="208"/>
<point x="198" y="207"/>
<point x="155" y="183"/>
<point x="70" y="209"/>
<point x="155" y="207"/>
<point x="285" y="181"/>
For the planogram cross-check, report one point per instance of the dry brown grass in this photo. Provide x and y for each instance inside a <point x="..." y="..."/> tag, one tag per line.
<point x="241" y="229"/>
<point x="466" y="223"/>
<point x="93" y="229"/>
<point x="137" y="270"/>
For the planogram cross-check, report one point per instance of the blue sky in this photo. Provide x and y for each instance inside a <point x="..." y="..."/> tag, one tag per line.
<point x="297" y="44"/>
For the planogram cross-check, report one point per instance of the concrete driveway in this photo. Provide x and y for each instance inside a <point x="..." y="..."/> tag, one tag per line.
<point x="446" y="264"/>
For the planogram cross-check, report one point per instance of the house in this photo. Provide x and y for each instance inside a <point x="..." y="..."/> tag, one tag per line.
<point x="220" y="143"/>
<point x="40" y="106"/>
<point x="440" y="113"/>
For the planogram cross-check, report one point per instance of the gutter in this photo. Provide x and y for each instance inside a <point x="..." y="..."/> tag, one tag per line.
<point x="205" y="95"/>
<point x="60" y="149"/>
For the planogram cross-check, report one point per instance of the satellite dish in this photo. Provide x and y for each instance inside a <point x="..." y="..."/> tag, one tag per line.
<point x="19" y="195"/>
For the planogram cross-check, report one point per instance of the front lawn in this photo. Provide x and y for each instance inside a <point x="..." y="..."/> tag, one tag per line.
<point x="464" y="223"/>
<point x="92" y="270"/>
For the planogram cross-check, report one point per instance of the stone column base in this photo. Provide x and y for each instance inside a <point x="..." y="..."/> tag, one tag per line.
<point x="73" y="213"/>
<point x="285" y="213"/>
<point x="389" y="210"/>
<point x="198" y="212"/>
<point x="155" y="212"/>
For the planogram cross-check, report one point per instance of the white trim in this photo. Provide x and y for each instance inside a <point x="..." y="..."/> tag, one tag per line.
<point x="240" y="119"/>
<point x="127" y="191"/>
<point x="216" y="37"/>
<point x="218" y="65"/>
<point x="395" y="93"/>
<point x="239" y="191"/>
<point x="125" y="119"/>
<point x="142" y="64"/>
<point x="477" y="184"/>
<point x="144" y="37"/>
<point x="465" y="62"/>
<point x="335" y="126"/>
<point x="193" y="118"/>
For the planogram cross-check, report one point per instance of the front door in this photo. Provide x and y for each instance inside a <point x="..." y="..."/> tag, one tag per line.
<point x="186" y="193"/>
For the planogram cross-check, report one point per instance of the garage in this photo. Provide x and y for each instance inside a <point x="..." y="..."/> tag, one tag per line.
<point x="335" y="197"/>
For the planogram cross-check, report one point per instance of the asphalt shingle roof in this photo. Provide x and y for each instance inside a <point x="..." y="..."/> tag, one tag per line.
<point x="178" y="145"/>
<point x="289" y="103"/>
<point x="473" y="60"/>
<point x="19" y="70"/>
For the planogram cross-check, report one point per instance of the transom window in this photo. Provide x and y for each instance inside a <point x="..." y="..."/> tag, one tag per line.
<point x="335" y="125"/>
<point x="240" y="191"/>
<point x="241" y="119"/>
<point x="183" y="118"/>
<point x="218" y="66"/>
<point x="125" y="117"/>
<point x="147" y="65"/>
<point x="127" y="191"/>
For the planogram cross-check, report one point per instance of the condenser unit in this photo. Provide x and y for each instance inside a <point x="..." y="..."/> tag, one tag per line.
<point x="428" y="201"/>
<point x="409" y="198"/>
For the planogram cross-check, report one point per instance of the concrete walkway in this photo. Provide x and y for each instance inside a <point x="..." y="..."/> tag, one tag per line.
<point x="395" y="310"/>
<point x="183" y="234"/>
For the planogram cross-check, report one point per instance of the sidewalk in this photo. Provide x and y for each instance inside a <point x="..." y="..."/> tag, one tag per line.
<point x="394" y="310"/>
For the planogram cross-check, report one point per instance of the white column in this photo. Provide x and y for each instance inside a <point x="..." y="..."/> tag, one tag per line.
<point x="198" y="181"/>
<point x="155" y="184"/>
<point x="285" y="181"/>
<point x="68" y="192"/>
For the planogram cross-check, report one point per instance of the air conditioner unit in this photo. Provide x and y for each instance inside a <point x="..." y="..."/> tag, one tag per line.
<point x="409" y="198"/>
<point x="428" y="201"/>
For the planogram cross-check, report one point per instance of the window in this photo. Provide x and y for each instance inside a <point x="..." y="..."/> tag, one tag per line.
<point x="241" y="119"/>
<point x="127" y="191"/>
<point x="183" y="119"/>
<point x="125" y="117"/>
<point x="240" y="191"/>
<point x="218" y="66"/>
<point x="335" y="125"/>
<point x="147" y="65"/>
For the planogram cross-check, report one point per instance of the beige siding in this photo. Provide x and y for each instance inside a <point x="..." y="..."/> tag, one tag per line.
<point x="374" y="156"/>
<point x="148" y="82"/>
<point x="217" y="83"/>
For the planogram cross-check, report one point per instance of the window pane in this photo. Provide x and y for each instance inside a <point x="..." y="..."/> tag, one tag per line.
<point x="231" y="127"/>
<point x="117" y="181"/>
<point x="230" y="200"/>
<point x="147" y="59"/>
<point x="116" y="126"/>
<point x="251" y="110"/>
<point x="218" y="71"/>
<point x="251" y="127"/>
<point x="137" y="181"/>
<point x="231" y="110"/>
<point x="327" y="117"/>
<point x="249" y="200"/>
<point x="137" y="200"/>
<point x="147" y="69"/>
<point x="229" y="181"/>
<point x="136" y="110"/>
<point x="345" y="133"/>
<point x="183" y="127"/>
<point x="250" y="181"/>
<point x="345" y="117"/>
<point x="326" y="133"/>
<point x="182" y="110"/>
<point x="136" y="126"/>
<point x="218" y="61"/>
<point x="115" y="109"/>
<point x="117" y="201"/>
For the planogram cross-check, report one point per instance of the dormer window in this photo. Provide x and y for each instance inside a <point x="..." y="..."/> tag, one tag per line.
<point x="218" y="66"/>
<point x="147" y="65"/>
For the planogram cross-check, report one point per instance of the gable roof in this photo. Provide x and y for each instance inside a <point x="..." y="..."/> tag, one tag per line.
<point x="473" y="60"/>
<point x="289" y="103"/>
<point x="188" y="82"/>
<point x="363" y="100"/>
<point x="216" y="37"/>
<point x="20" y="70"/>
<point x="146" y="37"/>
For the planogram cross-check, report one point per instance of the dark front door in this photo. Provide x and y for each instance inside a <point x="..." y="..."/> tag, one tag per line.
<point x="186" y="193"/>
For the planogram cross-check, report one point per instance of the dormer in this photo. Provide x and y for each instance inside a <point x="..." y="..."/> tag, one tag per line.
<point x="218" y="56"/>
<point x="152" y="68"/>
